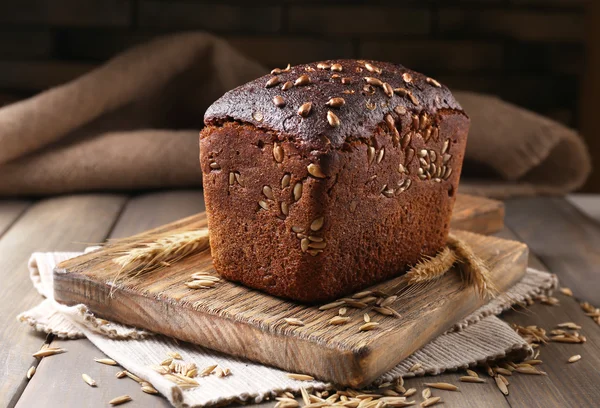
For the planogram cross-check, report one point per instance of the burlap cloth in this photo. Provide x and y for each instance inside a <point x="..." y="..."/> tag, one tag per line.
<point x="133" y="124"/>
<point x="479" y="338"/>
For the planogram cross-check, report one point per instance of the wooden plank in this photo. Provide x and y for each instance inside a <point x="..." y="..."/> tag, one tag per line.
<point x="63" y="223"/>
<point x="589" y="204"/>
<point x="564" y="239"/>
<point x="534" y="261"/>
<point x="155" y="209"/>
<point x="47" y="387"/>
<point x="568" y="385"/>
<point x="10" y="210"/>
<point x="337" y="353"/>
<point x="477" y="214"/>
<point x="577" y="388"/>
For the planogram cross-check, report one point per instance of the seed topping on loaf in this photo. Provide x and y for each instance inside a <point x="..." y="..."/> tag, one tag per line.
<point x="332" y="104"/>
<point x="363" y="93"/>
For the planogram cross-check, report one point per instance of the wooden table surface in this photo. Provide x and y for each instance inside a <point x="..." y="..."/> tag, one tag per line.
<point x="563" y="235"/>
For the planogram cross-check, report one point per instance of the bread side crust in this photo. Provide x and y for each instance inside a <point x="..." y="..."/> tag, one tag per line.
<point x="375" y="222"/>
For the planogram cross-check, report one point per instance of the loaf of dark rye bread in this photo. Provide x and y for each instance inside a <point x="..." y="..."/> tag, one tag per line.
<point x="325" y="178"/>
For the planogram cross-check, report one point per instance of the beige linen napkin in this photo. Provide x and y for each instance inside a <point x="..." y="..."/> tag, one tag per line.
<point x="133" y="124"/>
<point x="479" y="338"/>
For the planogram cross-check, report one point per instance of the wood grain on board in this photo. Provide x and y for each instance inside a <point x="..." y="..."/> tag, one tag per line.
<point x="253" y="322"/>
<point x="477" y="214"/>
<point x="62" y="223"/>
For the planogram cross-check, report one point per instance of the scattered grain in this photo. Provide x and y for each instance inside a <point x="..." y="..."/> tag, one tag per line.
<point x="48" y="351"/>
<point x="566" y="291"/>
<point x="574" y="358"/>
<point x="569" y="325"/>
<point x="529" y="370"/>
<point x="331" y="305"/>
<point x="386" y="311"/>
<point x="30" y="372"/>
<point x="501" y="385"/>
<point x="300" y="377"/>
<point x="196" y="284"/>
<point x="292" y="321"/>
<point x="431" y="401"/>
<point x="149" y="389"/>
<point x="472" y="373"/>
<point x="503" y="371"/>
<point x="355" y="303"/>
<point x="368" y="326"/>
<point x="388" y="301"/>
<point x="471" y="379"/>
<point x="339" y="320"/>
<point x="107" y="361"/>
<point x="208" y="370"/>
<point x="442" y="386"/>
<point x="120" y="400"/>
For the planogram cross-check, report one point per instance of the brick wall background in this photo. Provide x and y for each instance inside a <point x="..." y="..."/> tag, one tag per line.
<point x="530" y="52"/>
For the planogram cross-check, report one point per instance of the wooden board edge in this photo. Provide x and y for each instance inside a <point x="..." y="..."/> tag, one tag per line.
<point x="382" y="364"/>
<point x="242" y="331"/>
<point x="356" y="367"/>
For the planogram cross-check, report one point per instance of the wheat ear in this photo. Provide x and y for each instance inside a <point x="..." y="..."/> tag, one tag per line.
<point x="161" y="252"/>
<point x="432" y="267"/>
<point x="474" y="270"/>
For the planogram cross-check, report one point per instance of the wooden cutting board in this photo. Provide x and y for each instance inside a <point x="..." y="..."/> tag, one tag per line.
<point x="240" y="321"/>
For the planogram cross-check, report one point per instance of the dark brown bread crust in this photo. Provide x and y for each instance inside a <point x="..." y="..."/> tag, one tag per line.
<point x="378" y="191"/>
<point x="364" y="108"/>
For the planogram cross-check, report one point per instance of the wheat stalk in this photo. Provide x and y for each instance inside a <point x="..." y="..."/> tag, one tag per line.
<point x="161" y="252"/>
<point x="432" y="267"/>
<point x="474" y="270"/>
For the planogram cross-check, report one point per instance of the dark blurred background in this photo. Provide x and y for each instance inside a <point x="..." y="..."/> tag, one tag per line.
<point x="540" y="54"/>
